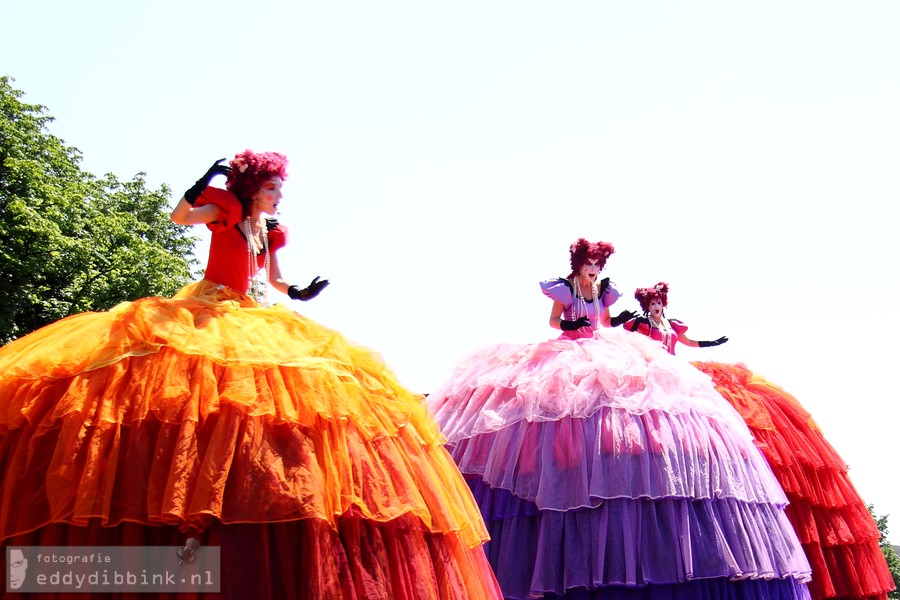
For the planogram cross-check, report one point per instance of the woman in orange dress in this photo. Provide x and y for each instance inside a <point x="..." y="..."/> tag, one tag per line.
<point x="213" y="420"/>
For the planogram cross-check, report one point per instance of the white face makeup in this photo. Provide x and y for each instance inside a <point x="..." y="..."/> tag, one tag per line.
<point x="269" y="195"/>
<point x="591" y="269"/>
<point x="656" y="308"/>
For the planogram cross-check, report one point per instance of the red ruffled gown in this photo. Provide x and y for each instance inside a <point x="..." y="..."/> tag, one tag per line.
<point x="837" y="533"/>
<point x="249" y="428"/>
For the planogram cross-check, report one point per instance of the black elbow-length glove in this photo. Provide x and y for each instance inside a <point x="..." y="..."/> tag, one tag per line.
<point x="194" y="192"/>
<point x="310" y="291"/>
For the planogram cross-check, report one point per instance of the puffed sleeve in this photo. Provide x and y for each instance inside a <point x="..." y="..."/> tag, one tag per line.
<point x="678" y="326"/>
<point x="278" y="237"/>
<point x="230" y="209"/>
<point x="638" y="324"/>
<point x="610" y="295"/>
<point x="559" y="290"/>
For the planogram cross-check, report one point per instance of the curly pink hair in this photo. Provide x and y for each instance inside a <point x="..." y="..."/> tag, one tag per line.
<point x="251" y="169"/>
<point x="645" y="296"/>
<point x="582" y="251"/>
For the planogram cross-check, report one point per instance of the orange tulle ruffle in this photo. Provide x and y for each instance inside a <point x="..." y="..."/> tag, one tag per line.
<point x="206" y="412"/>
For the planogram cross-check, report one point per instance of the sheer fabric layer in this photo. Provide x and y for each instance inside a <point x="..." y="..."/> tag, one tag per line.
<point x="573" y="463"/>
<point x="205" y="412"/>
<point x="605" y="467"/>
<point x="837" y="531"/>
<point x="635" y="542"/>
<point x="500" y="385"/>
<point x="206" y="347"/>
<point x="359" y="560"/>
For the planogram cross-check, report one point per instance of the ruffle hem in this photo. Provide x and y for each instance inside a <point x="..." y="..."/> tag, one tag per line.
<point x="606" y="468"/>
<point x="834" y="525"/>
<point x="253" y="428"/>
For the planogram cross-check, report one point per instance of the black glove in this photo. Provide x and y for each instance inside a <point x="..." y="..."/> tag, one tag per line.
<point x="707" y="344"/>
<point x="622" y="317"/>
<point x="573" y="325"/>
<point x="309" y="292"/>
<point x="192" y="194"/>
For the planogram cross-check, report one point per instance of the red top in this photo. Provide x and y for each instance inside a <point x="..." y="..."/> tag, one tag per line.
<point x="642" y="325"/>
<point x="228" y="262"/>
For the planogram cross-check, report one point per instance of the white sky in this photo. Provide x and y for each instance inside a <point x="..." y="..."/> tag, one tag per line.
<point x="443" y="157"/>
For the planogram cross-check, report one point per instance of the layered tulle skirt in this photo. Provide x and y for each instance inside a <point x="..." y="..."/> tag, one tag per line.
<point x="837" y="531"/>
<point x="250" y="428"/>
<point x="606" y="468"/>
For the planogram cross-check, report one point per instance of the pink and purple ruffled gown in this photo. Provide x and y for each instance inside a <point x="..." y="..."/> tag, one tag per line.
<point x="606" y="468"/>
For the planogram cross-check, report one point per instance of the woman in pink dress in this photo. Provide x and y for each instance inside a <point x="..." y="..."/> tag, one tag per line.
<point x="607" y="468"/>
<point x="838" y="534"/>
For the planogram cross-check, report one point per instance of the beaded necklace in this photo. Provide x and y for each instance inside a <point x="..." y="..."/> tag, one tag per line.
<point x="581" y="303"/>
<point x="258" y="290"/>
<point x="665" y="330"/>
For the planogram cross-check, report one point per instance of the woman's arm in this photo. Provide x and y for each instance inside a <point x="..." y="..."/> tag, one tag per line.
<point x="604" y="319"/>
<point x="702" y="343"/>
<point x="557" y="322"/>
<point x="186" y="214"/>
<point x="314" y="288"/>
<point x="686" y="340"/>
<point x="556" y="314"/>
<point x="275" y="277"/>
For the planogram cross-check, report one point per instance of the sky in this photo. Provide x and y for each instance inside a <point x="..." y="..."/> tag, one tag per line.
<point x="443" y="156"/>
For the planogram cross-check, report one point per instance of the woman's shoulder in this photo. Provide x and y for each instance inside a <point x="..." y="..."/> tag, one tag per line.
<point x="219" y="197"/>
<point x="678" y="325"/>
<point x="278" y="233"/>
<point x="230" y="209"/>
<point x="639" y="323"/>
<point x="559" y="289"/>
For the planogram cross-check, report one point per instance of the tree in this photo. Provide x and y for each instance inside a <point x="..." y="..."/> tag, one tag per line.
<point x="890" y="556"/>
<point x="73" y="242"/>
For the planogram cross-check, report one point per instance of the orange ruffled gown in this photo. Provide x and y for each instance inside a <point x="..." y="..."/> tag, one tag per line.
<point x="254" y="429"/>
<point x="837" y="532"/>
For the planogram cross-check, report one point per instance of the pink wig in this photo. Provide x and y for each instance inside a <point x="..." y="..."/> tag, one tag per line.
<point x="582" y="251"/>
<point x="645" y="296"/>
<point x="251" y="169"/>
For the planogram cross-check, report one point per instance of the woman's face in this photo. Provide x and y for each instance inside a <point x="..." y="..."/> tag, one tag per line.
<point x="269" y="195"/>
<point x="656" y="308"/>
<point x="591" y="269"/>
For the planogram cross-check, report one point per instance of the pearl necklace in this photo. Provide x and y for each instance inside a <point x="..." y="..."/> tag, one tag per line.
<point x="581" y="303"/>
<point x="258" y="290"/>
<point x="665" y="331"/>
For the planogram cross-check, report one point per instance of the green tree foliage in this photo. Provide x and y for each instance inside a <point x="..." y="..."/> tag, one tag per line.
<point x="73" y="242"/>
<point x="893" y="560"/>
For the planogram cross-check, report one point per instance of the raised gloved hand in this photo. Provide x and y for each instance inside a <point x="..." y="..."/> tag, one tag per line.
<point x="573" y="325"/>
<point x="622" y="317"/>
<point x="216" y="169"/>
<point x="707" y="344"/>
<point x="310" y="291"/>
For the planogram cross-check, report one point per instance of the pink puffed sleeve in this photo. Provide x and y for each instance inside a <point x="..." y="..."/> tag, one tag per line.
<point x="678" y="326"/>
<point x="230" y="209"/>
<point x="559" y="290"/>
<point x="610" y="295"/>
